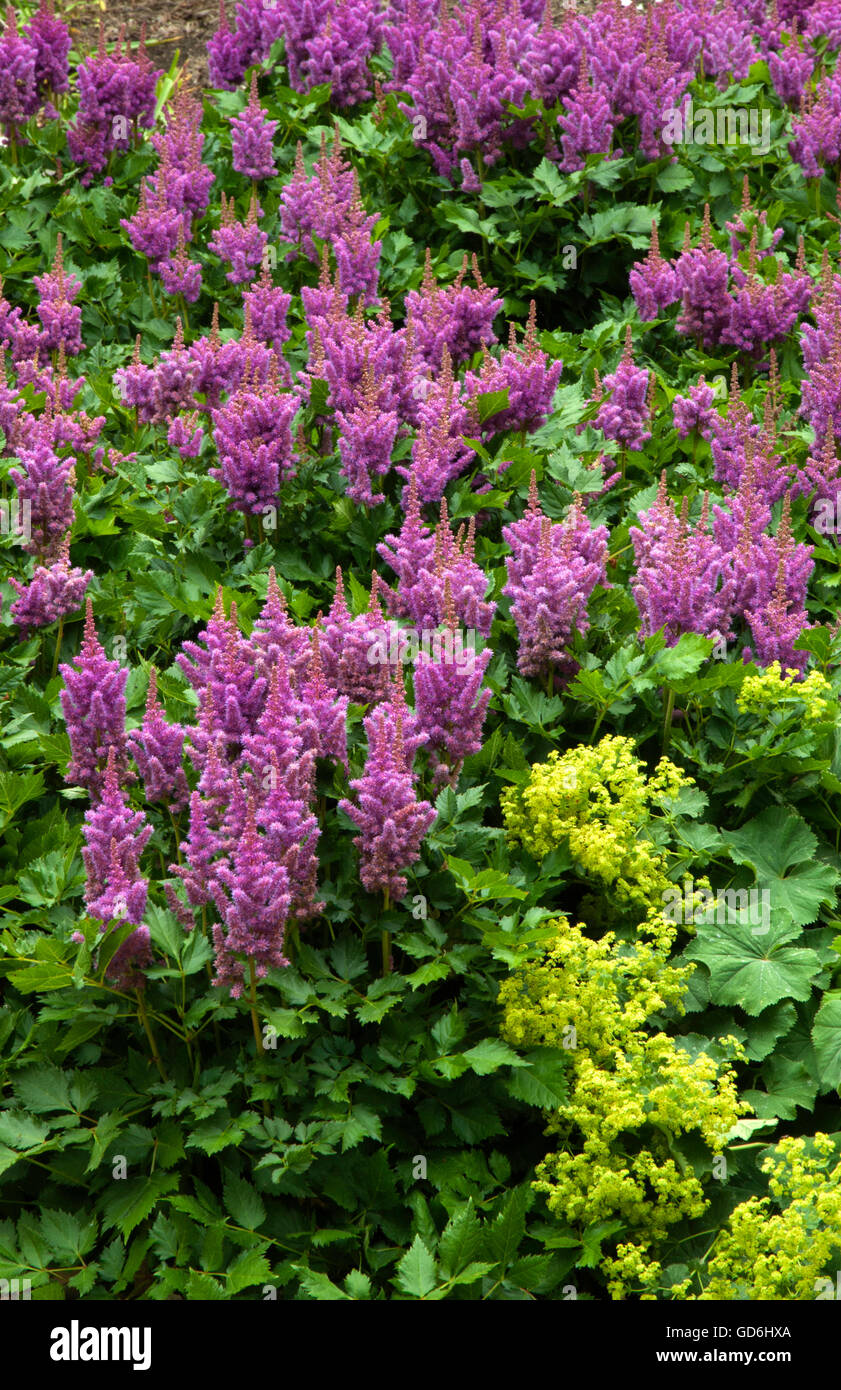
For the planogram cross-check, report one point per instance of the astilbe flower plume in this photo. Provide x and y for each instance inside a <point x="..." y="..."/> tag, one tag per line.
<point x="116" y="98"/>
<point x="182" y="178"/>
<point x="339" y="51"/>
<point x="157" y="748"/>
<point x="45" y="487"/>
<point x="252" y="133"/>
<point x="318" y="204"/>
<point x="776" y="627"/>
<point x="253" y="896"/>
<point x="816" y="141"/>
<point x="186" y="435"/>
<point x="450" y="702"/>
<point x="702" y="275"/>
<point x="444" y="418"/>
<point x="421" y="588"/>
<point x="94" y="706"/>
<point x="696" y="411"/>
<point x="527" y="375"/>
<point x="274" y="635"/>
<point x="391" y="821"/>
<point x="51" y="40"/>
<point x="550" y="584"/>
<point x="54" y="592"/>
<point x="156" y="227"/>
<point x="18" y="82"/>
<point x="355" y="652"/>
<point x="682" y="581"/>
<point x="231" y="695"/>
<point x="179" y="274"/>
<point x="61" y="318"/>
<point x="586" y="123"/>
<point x="253" y="435"/>
<point x="268" y="306"/>
<point x="366" y="439"/>
<point x="292" y="835"/>
<point x="115" y="838"/>
<point x="625" y="415"/>
<point x="240" y="243"/>
<point x="653" y="281"/>
<point x="324" y="729"/>
<point x="459" y="317"/>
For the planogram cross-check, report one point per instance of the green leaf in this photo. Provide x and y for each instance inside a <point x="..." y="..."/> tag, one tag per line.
<point x="751" y="970"/>
<point x="826" y="1039"/>
<point x="491" y="1054"/>
<point x="358" y="1284"/>
<point x="165" y="930"/>
<point x="508" y="1229"/>
<point x="318" y="1286"/>
<point x="460" y="1241"/>
<point x="131" y="1200"/>
<point x="243" y="1203"/>
<point x="248" y="1269"/>
<point x="66" y="1235"/>
<point x="18" y="1131"/>
<point x="41" y="1089"/>
<point x="780" y="848"/>
<point x="417" y="1271"/>
<point x="544" y="1082"/>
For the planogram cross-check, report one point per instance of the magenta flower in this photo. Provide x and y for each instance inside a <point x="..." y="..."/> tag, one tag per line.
<point x="94" y="706"/>
<point x="54" y="592"/>
<point x="251" y="139"/>
<point x="240" y="243"/>
<point x="158" y="750"/>
<point x="61" y="318"/>
<point x="391" y="821"/>
<point x="253" y="896"/>
<point x="115" y="838"/>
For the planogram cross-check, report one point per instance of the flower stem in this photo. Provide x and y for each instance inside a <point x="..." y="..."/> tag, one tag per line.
<point x="667" y="720"/>
<point x="57" y="647"/>
<point x="141" y="1011"/>
<point x="386" y="937"/>
<point x="258" y="1037"/>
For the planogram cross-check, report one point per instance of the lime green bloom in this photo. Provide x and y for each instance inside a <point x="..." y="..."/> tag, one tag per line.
<point x="793" y="1253"/>
<point x="810" y="700"/>
<point x="599" y="802"/>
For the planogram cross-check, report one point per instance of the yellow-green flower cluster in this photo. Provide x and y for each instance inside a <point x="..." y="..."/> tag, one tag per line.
<point x="598" y="801"/>
<point x="771" y="690"/>
<point x="785" y="1255"/>
<point x="633" y="1092"/>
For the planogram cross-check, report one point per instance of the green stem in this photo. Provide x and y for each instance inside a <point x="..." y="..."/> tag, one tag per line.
<point x="667" y="721"/>
<point x="258" y="1036"/>
<point x="57" y="647"/>
<point x="386" y="938"/>
<point x="141" y="1010"/>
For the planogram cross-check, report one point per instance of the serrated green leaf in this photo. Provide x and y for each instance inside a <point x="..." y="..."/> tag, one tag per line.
<point x="417" y="1271"/>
